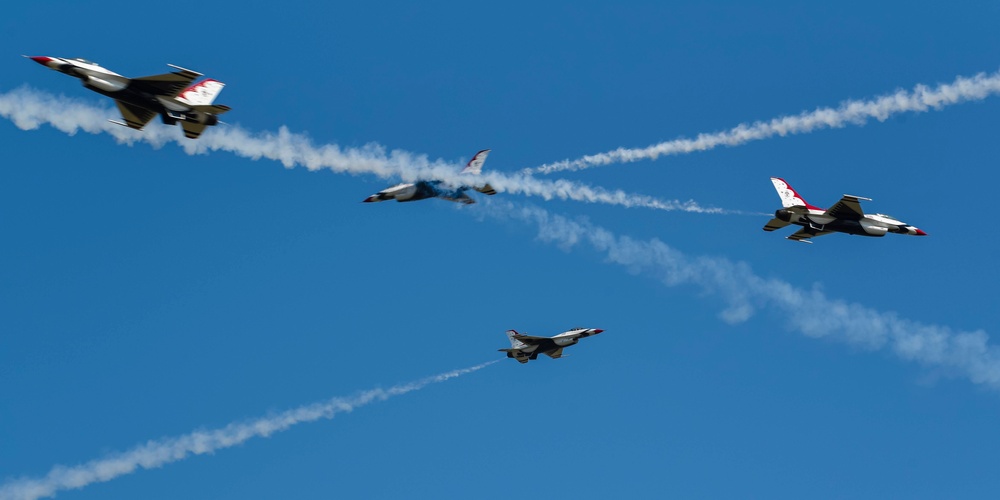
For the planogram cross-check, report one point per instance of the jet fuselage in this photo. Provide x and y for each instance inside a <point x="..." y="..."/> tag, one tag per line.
<point x="875" y="225"/>
<point x="118" y="87"/>
<point x="524" y="348"/>
<point x="845" y="216"/>
<point x="420" y="190"/>
<point x="411" y="191"/>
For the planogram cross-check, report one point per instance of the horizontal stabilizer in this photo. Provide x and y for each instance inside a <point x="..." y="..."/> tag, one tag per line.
<point x="486" y="189"/>
<point x="517" y="354"/>
<point x="215" y="109"/>
<point x="775" y="224"/>
<point x="192" y="130"/>
<point x="805" y="233"/>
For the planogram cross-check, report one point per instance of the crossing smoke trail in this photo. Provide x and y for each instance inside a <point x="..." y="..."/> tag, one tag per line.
<point x="29" y="109"/>
<point x="157" y="453"/>
<point x="966" y="353"/>
<point x="918" y="100"/>
<point x="520" y="183"/>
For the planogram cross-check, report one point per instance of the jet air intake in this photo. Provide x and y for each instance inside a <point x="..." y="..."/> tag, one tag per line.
<point x="874" y="230"/>
<point x="405" y="193"/>
<point x="565" y="341"/>
<point x="99" y="83"/>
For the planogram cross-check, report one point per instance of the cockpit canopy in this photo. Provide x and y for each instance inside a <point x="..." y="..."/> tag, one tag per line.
<point x="84" y="61"/>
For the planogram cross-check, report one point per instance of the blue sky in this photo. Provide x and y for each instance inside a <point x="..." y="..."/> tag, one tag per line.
<point x="147" y="293"/>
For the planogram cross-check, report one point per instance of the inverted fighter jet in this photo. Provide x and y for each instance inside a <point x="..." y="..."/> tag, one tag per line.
<point x="422" y="190"/>
<point x="169" y="95"/>
<point x="525" y="347"/>
<point x="845" y="216"/>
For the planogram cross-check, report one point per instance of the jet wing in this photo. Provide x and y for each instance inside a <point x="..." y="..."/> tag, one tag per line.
<point x="458" y="198"/>
<point x="806" y="233"/>
<point x="192" y="130"/>
<point x="530" y="340"/>
<point x="166" y="85"/>
<point x="134" y="116"/>
<point x="775" y="224"/>
<point x="847" y="208"/>
<point x="555" y="354"/>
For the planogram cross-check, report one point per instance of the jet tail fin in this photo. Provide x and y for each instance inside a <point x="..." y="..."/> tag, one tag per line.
<point x="514" y="343"/>
<point x="202" y="93"/>
<point x="475" y="165"/>
<point x="789" y="197"/>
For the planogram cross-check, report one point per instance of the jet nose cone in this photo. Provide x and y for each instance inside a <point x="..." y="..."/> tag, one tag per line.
<point x="370" y="199"/>
<point x="920" y="232"/>
<point x="44" y="61"/>
<point x="598" y="330"/>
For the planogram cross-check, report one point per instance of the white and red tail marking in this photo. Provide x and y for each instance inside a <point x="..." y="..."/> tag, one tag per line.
<point x="475" y="165"/>
<point x="202" y="93"/>
<point x="789" y="197"/>
<point x="514" y="343"/>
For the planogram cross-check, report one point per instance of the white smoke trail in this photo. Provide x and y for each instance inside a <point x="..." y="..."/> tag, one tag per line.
<point x="920" y="99"/>
<point x="521" y="183"/>
<point x="28" y="109"/>
<point x="808" y="311"/>
<point x="157" y="453"/>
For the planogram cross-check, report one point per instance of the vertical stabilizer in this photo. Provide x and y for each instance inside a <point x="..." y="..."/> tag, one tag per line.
<point x="202" y="93"/>
<point x="514" y="343"/>
<point x="475" y="165"/>
<point x="789" y="197"/>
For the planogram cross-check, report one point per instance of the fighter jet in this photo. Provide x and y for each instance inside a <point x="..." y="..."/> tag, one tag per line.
<point x="845" y="216"/>
<point x="525" y="347"/>
<point x="169" y="95"/>
<point x="422" y="190"/>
